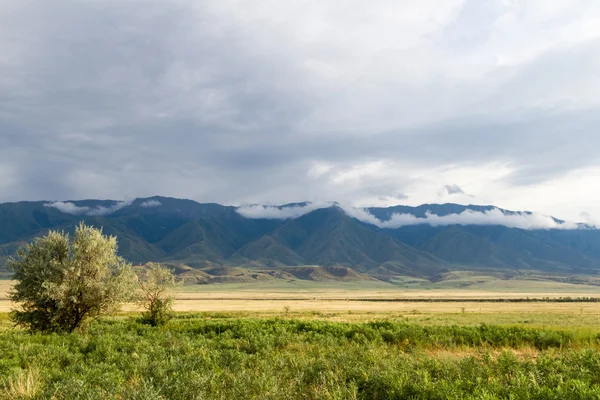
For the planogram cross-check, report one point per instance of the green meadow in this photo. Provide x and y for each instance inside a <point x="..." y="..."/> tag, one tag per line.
<point x="222" y="356"/>
<point x="323" y="340"/>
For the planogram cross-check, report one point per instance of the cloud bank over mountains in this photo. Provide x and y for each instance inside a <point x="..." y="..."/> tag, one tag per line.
<point x="97" y="211"/>
<point x="280" y="212"/>
<point x="495" y="216"/>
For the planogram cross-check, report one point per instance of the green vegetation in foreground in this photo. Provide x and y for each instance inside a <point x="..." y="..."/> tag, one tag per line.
<point x="223" y="358"/>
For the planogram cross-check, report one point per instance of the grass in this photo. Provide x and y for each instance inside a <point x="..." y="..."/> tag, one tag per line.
<point x="23" y="384"/>
<point x="324" y="343"/>
<point x="336" y="302"/>
<point x="217" y="357"/>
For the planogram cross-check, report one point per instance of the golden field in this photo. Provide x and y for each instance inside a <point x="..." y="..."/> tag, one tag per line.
<point x="350" y="302"/>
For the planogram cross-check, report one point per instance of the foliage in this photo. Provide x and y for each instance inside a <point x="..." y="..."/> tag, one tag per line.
<point x="157" y="283"/>
<point x="214" y="358"/>
<point x="61" y="283"/>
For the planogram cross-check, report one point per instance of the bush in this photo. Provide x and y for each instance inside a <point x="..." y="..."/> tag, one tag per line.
<point x="156" y="283"/>
<point x="61" y="284"/>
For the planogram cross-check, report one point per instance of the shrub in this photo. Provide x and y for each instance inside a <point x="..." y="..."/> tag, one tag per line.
<point x="157" y="283"/>
<point x="61" y="284"/>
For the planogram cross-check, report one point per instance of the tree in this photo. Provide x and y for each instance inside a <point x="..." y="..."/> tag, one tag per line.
<point x="61" y="284"/>
<point x="157" y="284"/>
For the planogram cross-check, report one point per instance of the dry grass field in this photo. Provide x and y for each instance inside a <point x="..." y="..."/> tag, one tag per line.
<point x="350" y="302"/>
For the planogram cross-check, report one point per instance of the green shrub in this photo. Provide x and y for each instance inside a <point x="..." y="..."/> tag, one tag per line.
<point x="61" y="284"/>
<point x="156" y="284"/>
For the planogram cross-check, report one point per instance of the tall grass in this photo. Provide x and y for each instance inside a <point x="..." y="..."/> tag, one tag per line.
<point x="193" y="358"/>
<point x="23" y="384"/>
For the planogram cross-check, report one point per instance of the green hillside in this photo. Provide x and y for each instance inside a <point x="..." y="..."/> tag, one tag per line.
<point x="207" y="236"/>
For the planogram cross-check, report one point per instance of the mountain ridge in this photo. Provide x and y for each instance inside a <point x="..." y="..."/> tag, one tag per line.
<point x="208" y="235"/>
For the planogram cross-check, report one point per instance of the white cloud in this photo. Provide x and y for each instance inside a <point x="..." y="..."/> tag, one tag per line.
<point x="277" y="212"/>
<point x="520" y="220"/>
<point x="68" y="208"/>
<point x="100" y="210"/>
<point x="495" y="216"/>
<point x="73" y="209"/>
<point x="151" y="203"/>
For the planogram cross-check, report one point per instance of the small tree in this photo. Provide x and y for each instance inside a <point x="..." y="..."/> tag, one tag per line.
<point x="157" y="284"/>
<point x="62" y="284"/>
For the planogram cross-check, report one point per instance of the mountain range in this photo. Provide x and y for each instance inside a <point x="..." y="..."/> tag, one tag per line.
<point x="209" y="242"/>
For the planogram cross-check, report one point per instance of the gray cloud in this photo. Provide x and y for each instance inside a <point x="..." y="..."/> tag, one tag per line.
<point x="453" y="189"/>
<point x="237" y="102"/>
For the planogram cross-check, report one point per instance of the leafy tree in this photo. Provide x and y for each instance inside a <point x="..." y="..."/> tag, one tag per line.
<point x="61" y="283"/>
<point x="157" y="283"/>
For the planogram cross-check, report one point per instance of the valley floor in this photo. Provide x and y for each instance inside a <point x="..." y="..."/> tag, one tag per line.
<point x="322" y="340"/>
<point x="369" y="301"/>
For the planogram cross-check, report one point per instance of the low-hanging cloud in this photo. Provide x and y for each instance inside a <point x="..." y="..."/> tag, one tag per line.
<point x="520" y="220"/>
<point x="151" y="203"/>
<point x="98" y="211"/>
<point x="68" y="208"/>
<point x="256" y="211"/>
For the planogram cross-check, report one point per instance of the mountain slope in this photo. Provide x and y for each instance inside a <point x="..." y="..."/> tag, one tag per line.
<point x="330" y="237"/>
<point x="187" y="233"/>
<point x="461" y="247"/>
<point x="501" y="247"/>
<point x="267" y="251"/>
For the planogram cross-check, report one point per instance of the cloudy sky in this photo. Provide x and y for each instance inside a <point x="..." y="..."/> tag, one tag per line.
<point x="254" y="101"/>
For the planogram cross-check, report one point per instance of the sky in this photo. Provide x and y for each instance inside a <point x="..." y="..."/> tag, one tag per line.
<point x="274" y="101"/>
